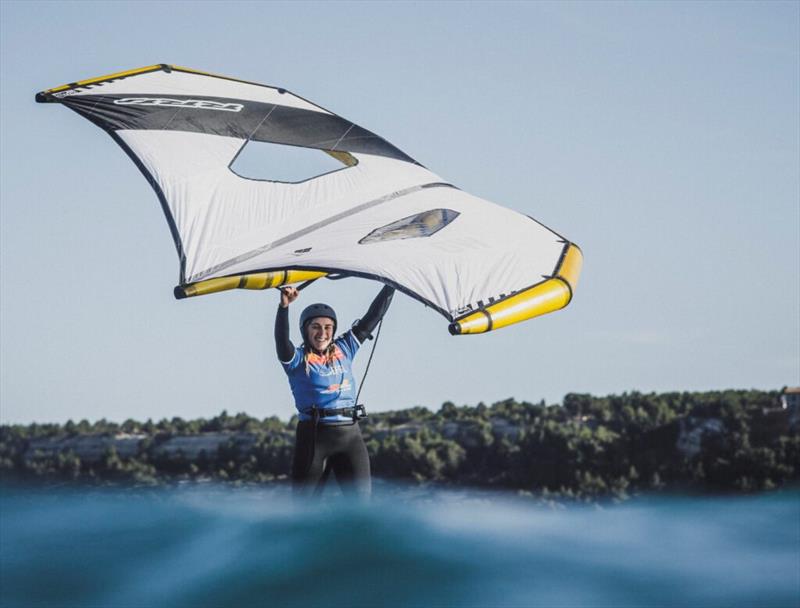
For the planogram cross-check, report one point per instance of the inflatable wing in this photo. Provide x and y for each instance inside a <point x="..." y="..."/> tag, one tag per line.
<point x="381" y="215"/>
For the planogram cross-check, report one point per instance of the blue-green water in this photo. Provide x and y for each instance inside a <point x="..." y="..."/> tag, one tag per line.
<point x="199" y="546"/>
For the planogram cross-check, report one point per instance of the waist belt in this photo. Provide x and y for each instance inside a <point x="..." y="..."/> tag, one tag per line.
<point x="355" y="412"/>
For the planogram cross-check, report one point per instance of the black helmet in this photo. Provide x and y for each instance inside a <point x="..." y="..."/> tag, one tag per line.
<point x="316" y="310"/>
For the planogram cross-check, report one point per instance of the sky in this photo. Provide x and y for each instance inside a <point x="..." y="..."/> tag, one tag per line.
<point x="663" y="138"/>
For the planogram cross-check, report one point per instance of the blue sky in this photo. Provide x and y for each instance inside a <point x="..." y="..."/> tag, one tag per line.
<point x="661" y="137"/>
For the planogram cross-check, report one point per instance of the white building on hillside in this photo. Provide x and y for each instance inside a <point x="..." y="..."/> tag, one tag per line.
<point x="790" y="398"/>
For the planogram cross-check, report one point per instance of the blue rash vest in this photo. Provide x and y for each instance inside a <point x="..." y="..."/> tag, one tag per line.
<point x="326" y="386"/>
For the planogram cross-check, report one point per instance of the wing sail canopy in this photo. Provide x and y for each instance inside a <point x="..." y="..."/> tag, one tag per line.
<point x="381" y="215"/>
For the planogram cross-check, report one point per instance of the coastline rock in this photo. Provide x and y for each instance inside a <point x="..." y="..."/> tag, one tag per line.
<point x="191" y="446"/>
<point x="93" y="448"/>
<point x="693" y="430"/>
<point x="89" y="448"/>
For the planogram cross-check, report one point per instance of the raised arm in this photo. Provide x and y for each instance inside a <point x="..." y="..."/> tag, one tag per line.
<point x="283" y="345"/>
<point x="362" y="329"/>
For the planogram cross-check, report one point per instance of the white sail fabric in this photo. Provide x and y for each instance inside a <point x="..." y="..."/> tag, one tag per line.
<point x="385" y="217"/>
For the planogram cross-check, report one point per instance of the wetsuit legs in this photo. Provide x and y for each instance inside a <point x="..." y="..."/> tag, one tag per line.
<point x="351" y="468"/>
<point x="341" y="448"/>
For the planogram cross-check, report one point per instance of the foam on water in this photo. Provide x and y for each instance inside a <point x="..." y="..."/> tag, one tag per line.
<point x="223" y="546"/>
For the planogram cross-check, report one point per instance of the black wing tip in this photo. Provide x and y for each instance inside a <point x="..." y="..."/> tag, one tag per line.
<point x="43" y="97"/>
<point x="179" y="293"/>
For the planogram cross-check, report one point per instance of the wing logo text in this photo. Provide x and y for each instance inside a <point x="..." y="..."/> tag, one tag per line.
<point x="199" y="104"/>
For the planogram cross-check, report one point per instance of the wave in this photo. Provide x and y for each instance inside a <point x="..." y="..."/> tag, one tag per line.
<point x="210" y="546"/>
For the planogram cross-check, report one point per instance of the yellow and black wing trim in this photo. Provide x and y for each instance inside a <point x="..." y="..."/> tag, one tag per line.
<point x="51" y="95"/>
<point x="552" y="294"/>
<point x="256" y="280"/>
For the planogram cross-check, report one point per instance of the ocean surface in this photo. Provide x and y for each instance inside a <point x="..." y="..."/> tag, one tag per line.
<point x="208" y="545"/>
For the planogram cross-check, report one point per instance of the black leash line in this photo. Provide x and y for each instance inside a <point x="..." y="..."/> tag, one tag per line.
<point x="366" y="371"/>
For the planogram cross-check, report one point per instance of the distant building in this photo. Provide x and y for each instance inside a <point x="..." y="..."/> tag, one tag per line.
<point x="790" y="403"/>
<point x="790" y="398"/>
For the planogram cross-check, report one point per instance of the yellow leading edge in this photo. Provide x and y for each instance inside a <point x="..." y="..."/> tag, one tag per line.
<point x="258" y="280"/>
<point x="548" y="296"/>
<point x="81" y="83"/>
<point x="149" y="68"/>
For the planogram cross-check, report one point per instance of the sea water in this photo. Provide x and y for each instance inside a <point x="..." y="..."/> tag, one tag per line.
<point x="207" y="546"/>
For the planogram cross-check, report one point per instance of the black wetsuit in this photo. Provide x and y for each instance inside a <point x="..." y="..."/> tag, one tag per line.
<point x="338" y="447"/>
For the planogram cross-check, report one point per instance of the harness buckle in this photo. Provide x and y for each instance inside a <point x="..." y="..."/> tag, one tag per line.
<point x="359" y="412"/>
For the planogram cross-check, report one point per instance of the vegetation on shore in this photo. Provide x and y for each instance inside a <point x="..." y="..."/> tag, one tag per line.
<point x="585" y="448"/>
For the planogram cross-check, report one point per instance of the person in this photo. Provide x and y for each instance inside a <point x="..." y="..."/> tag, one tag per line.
<point x="320" y="374"/>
